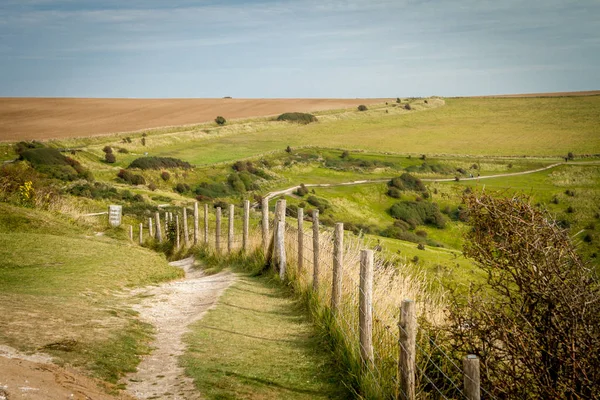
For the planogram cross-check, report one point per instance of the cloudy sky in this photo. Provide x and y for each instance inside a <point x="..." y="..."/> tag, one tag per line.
<point x="297" y="48"/>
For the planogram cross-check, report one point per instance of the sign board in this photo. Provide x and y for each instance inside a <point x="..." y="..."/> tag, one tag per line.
<point x="114" y="215"/>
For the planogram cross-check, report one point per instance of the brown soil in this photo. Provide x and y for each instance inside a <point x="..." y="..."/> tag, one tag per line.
<point x="55" y="118"/>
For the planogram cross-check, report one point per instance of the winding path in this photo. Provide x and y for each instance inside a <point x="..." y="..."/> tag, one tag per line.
<point x="289" y="190"/>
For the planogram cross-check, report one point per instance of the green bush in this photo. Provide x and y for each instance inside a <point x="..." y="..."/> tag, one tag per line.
<point x="159" y="163"/>
<point x="165" y="176"/>
<point x="23" y="146"/>
<point x="318" y="202"/>
<point x="362" y="107"/>
<point x="131" y="178"/>
<point x="207" y="191"/>
<point x="300" y="118"/>
<point x="181" y="188"/>
<point x="220" y="120"/>
<point x="123" y="151"/>
<point x="407" y="182"/>
<point x="425" y="168"/>
<point x="302" y="190"/>
<point x="110" y="158"/>
<point x="107" y="149"/>
<point x="418" y="213"/>
<point x="52" y="163"/>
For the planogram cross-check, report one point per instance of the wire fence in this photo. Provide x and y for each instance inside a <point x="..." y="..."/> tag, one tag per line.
<point x="436" y="374"/>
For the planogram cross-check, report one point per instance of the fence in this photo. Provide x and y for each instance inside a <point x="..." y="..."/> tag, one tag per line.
<point x="369" y="307"/>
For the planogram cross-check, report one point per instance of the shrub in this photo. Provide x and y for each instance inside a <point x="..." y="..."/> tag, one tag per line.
<point x="129" y="177"/>
<point x="345" y="154"/>
<point x="288" y="149"/>
<point x="407" y="107"/>
<point x="236" y="183"/>
<point x="407" y="182"/>
<point x="52" y="163"/>
<point x="220" y="120"/>
<point x="302" y="190"/>
<point x="318" y="202"/>
<point x="426" y="167"/>
<point x="152" y="186"/>
<point x="107" y="149"/>
<point x="143" y="141"/>
<point x="23" y="146"/>
<point x="362" y="107"/>
<point x="421" y="246"/>
<point x="570" y="156"/>
<point x="538" y="338"/>
<point x="398" y="100"/>
<point x="418" y="213"/>
<point x="394" y="192"/>
<point x="212" y="190"/>
<point x="110" y="158"/>
<point x="158" y="163"/>
<point x="182" y="188"/>
<point x="123" y="151"/>
<point x="165" y="176"/>
<point x="300" y="118"/>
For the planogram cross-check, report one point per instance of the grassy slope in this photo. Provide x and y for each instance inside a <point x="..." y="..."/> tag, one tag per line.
<point x="258" y="344"/>
<point x="59" y="286"/>
<point x="467" y="126"/>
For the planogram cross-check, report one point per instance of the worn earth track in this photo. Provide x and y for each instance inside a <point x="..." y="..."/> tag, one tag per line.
<point x="289" y="190"/>
<point x="171" y="308"/>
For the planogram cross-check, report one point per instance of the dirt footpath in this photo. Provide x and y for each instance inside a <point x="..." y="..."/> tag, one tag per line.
<point x="171" y="308"/>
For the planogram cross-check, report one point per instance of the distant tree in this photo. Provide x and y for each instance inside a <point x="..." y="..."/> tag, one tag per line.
<point x="143" y="141"/>
<point x="144" y="134"/>
<point x="110" y="158"/>
<point x="398" y="100"/>
<point x="362" y="107"/>
<point x="570" y="156"/>
<point x="220" y="120"/>
<point x="407" y="107"/>
<point x="288" y="149"/>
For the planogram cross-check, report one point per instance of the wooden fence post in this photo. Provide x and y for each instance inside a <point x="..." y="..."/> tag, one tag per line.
<point x="150" y="227"/>
<point x="186" y="238"/>
<point x="206" y="224"/>
<point x="408" y="339"/>
<point x="230" y="231"/>
<point x="158" y="230"/>
<point x="218" y="231"/>
<point x="177" y="242"/>
<point x="278" y="217"/>
<point x="338" y="261"/>
<point x="246" y="225"/>
<point x="315" y="218"/>
<point x="265" y="224"/>
<point x="130" y="232"/>
<point x="300" y="239"/>
<point x="365" y="308"/>
<point x="141" y="233"/>
<point x="471" y="377"/>
<point x="281" y="246"/>
<point x="195" y="223"/>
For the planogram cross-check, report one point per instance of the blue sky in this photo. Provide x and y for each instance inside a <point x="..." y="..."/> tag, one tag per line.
<point x="303" y="48"/>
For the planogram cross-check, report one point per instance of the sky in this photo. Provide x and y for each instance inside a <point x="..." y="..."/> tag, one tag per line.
<point x="297" y="48"/>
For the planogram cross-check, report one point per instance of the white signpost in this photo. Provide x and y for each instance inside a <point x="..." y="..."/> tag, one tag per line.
<point x="114" y="215"/>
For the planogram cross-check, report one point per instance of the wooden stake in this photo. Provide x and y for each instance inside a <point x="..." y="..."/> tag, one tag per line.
<point x="141" y="233"/>
<point x="130" y="232"/>
<point x="150" y="227"/>
<point x="196" y="223"/>
<point x="281" y="256"/>
<point x="158" y="229"/>
<point x="265" y="224"/>
<point x="206" y="224"/>
<point x="338" y="261"/>
<point x="365" y="308"/>
<point x="315" y="218"/>
<point x="471" y="377"/>
<point x="186" y="238"/>
<point x="408" y="339"/>
<point x="218" y="231"/>
<point x="300" y="239"/>
<point x="246" y="225"/>
<point x="230" y="234"/>
<point x="177" y="241"/>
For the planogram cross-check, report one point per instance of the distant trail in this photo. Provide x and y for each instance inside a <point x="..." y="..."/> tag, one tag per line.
<point x="289" y="190"/>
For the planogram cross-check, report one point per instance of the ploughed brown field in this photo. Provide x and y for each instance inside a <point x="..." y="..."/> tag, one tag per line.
<point x="55" y="118"/>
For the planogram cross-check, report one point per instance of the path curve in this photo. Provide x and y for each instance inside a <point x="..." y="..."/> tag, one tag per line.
<point x="289" y="190"/>
<point x="171" y="308"/>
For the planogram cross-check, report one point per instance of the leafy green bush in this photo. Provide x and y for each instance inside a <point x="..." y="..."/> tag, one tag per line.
<point x="131" y="178"/>
<point x="181" y="188"/>
<point x="300" y="118"/>
<point x="302" y="190"/>
<point x="110" y="158"/>
<point x="107" y="149"/>
<point x="52" y="163"/>
<point x="159" y="163"/>
<point x="407" y="182"/>
<point x="418" y="213"/>
<point x="207" y="191"/>
<point x="220" y="120"/>
<point x="318" y="202"/>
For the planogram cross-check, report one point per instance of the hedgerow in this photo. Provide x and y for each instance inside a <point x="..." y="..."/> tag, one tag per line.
<point x="159" y="163"/>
